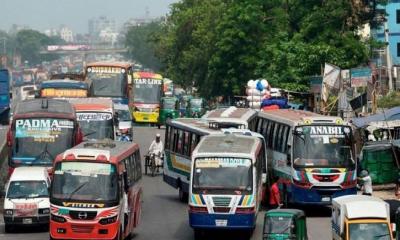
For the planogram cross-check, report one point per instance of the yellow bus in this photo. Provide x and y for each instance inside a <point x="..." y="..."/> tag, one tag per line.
<point x="145" y="96"/>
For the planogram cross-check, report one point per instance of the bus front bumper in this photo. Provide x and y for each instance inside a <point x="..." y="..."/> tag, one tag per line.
<point x="318" y="196"/>
<point x="69" y="230"/>
<point x="145" y="117"/>
<point x="222" y="221"/>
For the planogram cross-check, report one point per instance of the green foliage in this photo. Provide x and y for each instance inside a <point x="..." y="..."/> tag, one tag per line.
<point x="140" y="42"/>
<point x="29" y="43"/>
<point x="218" y="45"/>
<point x="390" y="100"/>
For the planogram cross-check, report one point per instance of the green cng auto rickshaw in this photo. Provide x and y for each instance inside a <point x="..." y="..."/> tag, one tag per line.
<point x="196" y="108"/>
<point x="282" y="224"/>
<point x="169" y="109"/>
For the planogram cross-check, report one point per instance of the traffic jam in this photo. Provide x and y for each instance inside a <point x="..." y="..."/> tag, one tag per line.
<point x="74" y="169"/>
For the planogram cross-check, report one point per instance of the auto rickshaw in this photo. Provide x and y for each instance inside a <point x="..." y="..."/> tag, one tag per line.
<point x="282" y="224"/>
<point x="196" y="108"/>
<point x="169" y="109"/>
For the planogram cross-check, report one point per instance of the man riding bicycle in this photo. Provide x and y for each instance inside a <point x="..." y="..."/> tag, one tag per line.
<point x="157" y="149"/>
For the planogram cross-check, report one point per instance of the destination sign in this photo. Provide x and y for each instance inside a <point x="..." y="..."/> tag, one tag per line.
<point x="93" y="116"/>
<point x="70" y="93"/>
<point x="149" y="81"/>
<point x="106" y="70"/>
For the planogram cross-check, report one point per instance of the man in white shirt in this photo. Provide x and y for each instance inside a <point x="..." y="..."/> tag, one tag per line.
<point x="157" y="149"/>
<point x="366" y="182"/>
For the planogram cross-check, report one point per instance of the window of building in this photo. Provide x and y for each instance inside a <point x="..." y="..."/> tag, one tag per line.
<point x="398" y="16"/>
<point x="398" y="49"/>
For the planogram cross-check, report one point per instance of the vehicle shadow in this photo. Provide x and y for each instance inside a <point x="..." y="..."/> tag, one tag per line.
<point x="26" y="229"/>
<point x="316" y="211"/>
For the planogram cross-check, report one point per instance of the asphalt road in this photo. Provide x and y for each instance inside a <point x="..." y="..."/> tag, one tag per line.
<point x="164" y="217"/>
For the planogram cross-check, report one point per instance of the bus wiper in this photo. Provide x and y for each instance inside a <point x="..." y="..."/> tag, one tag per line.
<point x="90" y="133"/>
<point x="382" y="235"/>
<point x="44" y="154"/>
<point x="76" y="190"/>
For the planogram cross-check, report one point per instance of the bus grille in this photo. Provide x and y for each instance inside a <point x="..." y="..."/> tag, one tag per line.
<point x="221" y="201"/>
<point x="83" y="215"/>
<point x="82" y="228"/>
<point x="221" y="209"/>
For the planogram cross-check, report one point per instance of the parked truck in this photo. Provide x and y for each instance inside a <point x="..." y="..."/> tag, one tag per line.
<point x="4" y="96"/>
<point x="360" y="217"/>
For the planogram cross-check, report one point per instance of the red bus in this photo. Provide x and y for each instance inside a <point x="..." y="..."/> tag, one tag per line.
<point x="96" y="191"/>
<point x="39" y="131"/>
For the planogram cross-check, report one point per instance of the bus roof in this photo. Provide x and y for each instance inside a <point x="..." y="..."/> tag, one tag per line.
<point x="200" y="126"/>
<point x="150" y="75"/>
<point x="40" y="107"/>
<point x="87" y="104"/>
<point x="231" y="112"/>
<point x="294" y="117"/>
<point x="64" y="83"/>
<point x="230" y="143"/>
<point x="109" y="64"/>
<point x="114" y="151"/>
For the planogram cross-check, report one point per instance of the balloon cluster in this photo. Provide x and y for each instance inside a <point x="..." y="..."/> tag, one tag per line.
<point x="256" y="91"/>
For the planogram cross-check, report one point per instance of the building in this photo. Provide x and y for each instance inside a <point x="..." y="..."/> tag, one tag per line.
<point x="66" y="34"/>
<point x="97" y="25"/>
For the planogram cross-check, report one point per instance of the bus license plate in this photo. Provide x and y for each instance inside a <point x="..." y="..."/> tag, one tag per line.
<point x="27" y="220"/>
<point x="326" y="199"/>
<point x="221" y="223"/>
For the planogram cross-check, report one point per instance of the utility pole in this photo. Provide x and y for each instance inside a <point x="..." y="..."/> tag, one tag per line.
<point x="388" y="57"/>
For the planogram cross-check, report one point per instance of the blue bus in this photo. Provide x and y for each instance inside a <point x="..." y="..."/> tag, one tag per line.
<point x="4" y="96"/>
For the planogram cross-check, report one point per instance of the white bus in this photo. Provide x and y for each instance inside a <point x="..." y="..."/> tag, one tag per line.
<point x="181" y="137"/>
<point x="311" y="154"/>
<point x="225" y="183"/>
<point x="242" y="118"/>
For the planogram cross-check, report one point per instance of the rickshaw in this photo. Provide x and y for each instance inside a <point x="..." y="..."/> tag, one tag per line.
<point x="196" y="108"/>
<point x="169" y="109"/>
<point x="282" y="224"/>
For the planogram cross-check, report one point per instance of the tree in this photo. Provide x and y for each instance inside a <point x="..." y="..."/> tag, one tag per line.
<point x="218" y="45"/>
<point x="140" y="43"/>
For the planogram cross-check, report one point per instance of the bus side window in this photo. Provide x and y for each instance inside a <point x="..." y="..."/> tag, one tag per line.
<point x="193" y="143"/>
<point x="279" y="138"/>
<point x="186" y="144"/>
<point x="180" y="142"/>
<point x="270" y="135"/>
<point x="176" y="140"/>
<point x="138" y="164"/>
<point x="132" y="170"/>
<point x="171" y="138"/>
<point x="275" y="136"/>
<point x="128" y="171"/>
<point x="259" y="125"/>
<point x="285" y="135"/>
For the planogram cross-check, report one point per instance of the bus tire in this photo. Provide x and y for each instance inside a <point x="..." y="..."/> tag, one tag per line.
<point x="183" y="196"/>
<point x="8" y="228"/>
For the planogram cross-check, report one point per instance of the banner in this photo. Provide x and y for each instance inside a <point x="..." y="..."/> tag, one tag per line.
<point x="359" y="101"/>
<point x="330" y="80"/>
<point x="93" y="116"/>
<point x="360" y="76"/>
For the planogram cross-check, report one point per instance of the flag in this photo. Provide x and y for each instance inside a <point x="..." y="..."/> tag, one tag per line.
<point x="330" y="80"/>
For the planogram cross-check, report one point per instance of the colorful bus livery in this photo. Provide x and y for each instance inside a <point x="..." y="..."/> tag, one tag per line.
<point x="109" y="79"/>
<point x="41" y="129"/>
<point x="311" y="154"/>
<point x="96" y="191"/>
<point x="146" y="93"/>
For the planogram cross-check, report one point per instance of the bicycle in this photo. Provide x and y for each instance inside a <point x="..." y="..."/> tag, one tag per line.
<point x="150" y="162"/>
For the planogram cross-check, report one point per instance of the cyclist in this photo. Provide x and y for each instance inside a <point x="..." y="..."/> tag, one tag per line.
<point x="157" y="149"/>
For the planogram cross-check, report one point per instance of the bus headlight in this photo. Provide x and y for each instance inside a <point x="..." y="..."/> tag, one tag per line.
<point x="44" y="210"/>
<point x="58" y="219"/>
<point x="108" y="220"/>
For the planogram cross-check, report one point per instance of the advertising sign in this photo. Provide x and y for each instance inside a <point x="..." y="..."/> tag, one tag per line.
<point x="148" y="81"/>
<point x="42" y="130"/>
<point x="360" y="76"/>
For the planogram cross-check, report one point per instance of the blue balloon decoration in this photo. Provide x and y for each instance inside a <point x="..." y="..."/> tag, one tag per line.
<point x="259" y="86"/>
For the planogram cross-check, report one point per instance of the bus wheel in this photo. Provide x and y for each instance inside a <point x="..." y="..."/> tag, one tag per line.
<point x="183" y="196"/>
<point x="8" y="228"/>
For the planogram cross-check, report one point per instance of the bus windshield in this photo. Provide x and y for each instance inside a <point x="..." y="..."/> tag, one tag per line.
<point x="39" y="140"/>
<point x="169" y="103"/>
<point x="85" y="181"/>
<point x="223" y="176"/>
<point x="146" y="91"/>
<point x="372" y="231"/>
<point x="27" y="189"/>
<point x="107" y="84"/>
<point x="96" y="125"/>
<point x="322" y="146"/>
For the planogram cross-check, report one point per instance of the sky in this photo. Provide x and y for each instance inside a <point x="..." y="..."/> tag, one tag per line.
<point x="45" y="14"/>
